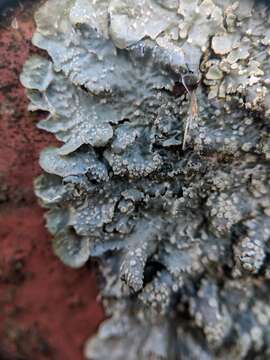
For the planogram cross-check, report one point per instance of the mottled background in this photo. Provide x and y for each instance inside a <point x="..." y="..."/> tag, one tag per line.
<point x="47" y="311"/>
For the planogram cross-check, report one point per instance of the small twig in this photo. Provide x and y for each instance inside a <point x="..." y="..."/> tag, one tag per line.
<point x="192" y="113"/>
<point x="186" y="133"/>
<point x="184" y="83"/>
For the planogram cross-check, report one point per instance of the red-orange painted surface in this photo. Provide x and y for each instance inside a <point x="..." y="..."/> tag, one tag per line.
<point x="47" y="310"/>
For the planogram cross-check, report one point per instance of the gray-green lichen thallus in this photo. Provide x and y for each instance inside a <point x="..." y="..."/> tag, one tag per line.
<point x="182" y="237"/>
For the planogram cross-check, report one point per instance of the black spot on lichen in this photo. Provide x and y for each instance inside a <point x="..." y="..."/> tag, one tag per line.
<point x="182" y="237"/>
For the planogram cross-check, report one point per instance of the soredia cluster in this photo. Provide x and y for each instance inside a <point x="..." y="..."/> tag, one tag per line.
<point x="181" y="237"/>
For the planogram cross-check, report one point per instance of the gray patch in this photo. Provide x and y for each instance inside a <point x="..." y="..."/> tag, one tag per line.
<point x="181" y="237"/>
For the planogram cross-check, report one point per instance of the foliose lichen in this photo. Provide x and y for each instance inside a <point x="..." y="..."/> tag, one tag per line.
<point x="182" y="237"/>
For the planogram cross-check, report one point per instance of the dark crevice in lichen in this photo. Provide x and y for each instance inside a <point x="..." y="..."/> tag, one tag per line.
<point x="151" y="269"/>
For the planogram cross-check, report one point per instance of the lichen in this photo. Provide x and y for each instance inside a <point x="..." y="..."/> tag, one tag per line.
<point x="181" y="236"/>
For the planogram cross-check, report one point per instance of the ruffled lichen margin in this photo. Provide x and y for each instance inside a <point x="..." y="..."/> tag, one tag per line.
<point x="181" y="237"/>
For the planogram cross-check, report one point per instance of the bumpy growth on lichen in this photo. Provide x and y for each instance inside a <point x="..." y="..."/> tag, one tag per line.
<point x="182" y="237"/>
